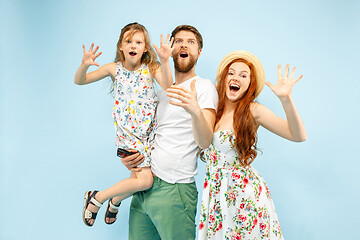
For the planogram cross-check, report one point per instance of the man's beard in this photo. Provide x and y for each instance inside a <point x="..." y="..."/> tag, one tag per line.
<point x="184" y="67"/>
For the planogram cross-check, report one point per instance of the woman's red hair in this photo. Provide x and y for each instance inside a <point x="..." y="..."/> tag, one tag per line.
<point x="244" y="124"/>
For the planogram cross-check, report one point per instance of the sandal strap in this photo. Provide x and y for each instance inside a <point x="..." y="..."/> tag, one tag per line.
<point x="94" y="201"/>
<point x="89" y="215"/>
<point x="113" y="206"/>
<point x="111" y="214"/>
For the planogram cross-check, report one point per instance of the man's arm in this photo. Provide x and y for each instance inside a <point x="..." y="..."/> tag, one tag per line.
<point x="203" y="120"/>
<point x="203" y="125"/>
<point x="132" y="161"/>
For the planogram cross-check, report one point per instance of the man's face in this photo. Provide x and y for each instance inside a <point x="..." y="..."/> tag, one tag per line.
<point x="186" y="51"/>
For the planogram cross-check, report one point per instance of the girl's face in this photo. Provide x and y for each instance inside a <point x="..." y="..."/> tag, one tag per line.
<point x="237" y="81"/>
<point x="133" y="49"/>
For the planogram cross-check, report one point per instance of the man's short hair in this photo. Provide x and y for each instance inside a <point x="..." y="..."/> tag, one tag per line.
<point x="190" y="29"/>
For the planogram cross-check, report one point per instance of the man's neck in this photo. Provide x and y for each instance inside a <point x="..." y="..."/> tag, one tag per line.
<point x="181" y="77"/>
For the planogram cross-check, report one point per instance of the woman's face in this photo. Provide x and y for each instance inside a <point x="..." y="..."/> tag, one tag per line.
<point x="237" y="81"/>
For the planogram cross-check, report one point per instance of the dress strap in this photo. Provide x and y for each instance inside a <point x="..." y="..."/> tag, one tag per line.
<point x="119" y="67"/>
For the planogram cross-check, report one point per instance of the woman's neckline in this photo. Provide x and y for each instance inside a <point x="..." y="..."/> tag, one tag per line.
<point x="223" y="130"/>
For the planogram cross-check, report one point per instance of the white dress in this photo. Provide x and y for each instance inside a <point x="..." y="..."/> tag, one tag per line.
<point x="236" y="203"/>
<point x="134" y="110"/>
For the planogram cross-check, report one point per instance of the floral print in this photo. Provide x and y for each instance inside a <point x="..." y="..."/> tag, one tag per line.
<point x="134" y="110"/>
<point x="236" y="202"/>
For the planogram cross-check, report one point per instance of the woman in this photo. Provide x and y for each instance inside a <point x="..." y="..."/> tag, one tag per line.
<point x="236" y="202"/>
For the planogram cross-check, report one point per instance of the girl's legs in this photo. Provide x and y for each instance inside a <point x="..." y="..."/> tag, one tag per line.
<point x="138" y="181"/>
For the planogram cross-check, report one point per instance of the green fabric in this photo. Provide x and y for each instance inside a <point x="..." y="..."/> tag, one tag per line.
<point x="165" y="211"/>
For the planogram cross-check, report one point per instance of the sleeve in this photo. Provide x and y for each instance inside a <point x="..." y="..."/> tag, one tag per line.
<point x="206" y="94"/>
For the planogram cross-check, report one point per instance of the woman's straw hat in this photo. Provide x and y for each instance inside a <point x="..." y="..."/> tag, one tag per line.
<point x="259" y="69"/>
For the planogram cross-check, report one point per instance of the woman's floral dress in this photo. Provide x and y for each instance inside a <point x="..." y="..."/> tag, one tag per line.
<point x="236" y="203"/>
<point x="134" y="110"/>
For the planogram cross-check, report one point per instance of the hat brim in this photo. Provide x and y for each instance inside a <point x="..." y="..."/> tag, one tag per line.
<point x="239" y="54"/>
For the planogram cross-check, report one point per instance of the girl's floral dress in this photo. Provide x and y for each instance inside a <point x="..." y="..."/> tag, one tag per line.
<point x="134" y="110"/>
<point x="236" y="203"/>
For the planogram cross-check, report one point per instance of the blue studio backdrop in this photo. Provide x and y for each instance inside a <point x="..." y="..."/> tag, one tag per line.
<point x="57" y="138"/>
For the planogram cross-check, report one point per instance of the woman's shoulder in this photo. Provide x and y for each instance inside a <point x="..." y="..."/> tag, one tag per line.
<point x="256" y="109"/>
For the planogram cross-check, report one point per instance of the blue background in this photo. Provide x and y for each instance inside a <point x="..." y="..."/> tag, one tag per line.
<point x="57" y="138"/>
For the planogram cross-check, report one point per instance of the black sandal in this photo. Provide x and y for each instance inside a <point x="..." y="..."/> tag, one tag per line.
<point x="109" y="214"/>
<point x="87" y="214"/>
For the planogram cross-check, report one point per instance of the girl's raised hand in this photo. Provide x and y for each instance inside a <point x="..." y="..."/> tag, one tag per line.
<point x="90" y="56"/>
<point x="285" y="83"/>
<point x="165" y="50"/>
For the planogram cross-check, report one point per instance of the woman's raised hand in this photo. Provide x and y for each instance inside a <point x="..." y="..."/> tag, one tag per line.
<point x="165" y="50"/>
<point x="285" y="83"/>
<point x="90" y="56"/>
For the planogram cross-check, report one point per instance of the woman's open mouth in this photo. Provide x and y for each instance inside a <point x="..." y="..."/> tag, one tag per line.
<point x="132" y="53"/>
<point x="234" y="87"/>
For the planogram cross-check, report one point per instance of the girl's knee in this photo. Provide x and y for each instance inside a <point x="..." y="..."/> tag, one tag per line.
<point x="145" y="184"/>
<point x="145" y="181"/>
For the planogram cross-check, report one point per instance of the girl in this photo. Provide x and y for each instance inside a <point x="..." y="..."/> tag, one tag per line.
<point x="236" y="202"/>
<point x="135" y="101"/>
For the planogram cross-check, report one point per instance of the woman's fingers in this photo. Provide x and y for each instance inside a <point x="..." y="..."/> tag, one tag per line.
<point x="286" y="74"/>
<point x="279" y="71"/>
<point x="161" y="40"/>
<point x="292" y="73"/>
<point x="269" y="84"/>
<point x="298" y="78"/>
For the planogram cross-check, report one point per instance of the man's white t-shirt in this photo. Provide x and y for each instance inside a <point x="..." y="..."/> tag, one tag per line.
<point x="174" y="157"/>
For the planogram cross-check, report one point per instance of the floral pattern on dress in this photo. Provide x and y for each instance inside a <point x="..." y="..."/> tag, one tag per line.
<point x="236" y="202"/>
<point x="134" y="110"/>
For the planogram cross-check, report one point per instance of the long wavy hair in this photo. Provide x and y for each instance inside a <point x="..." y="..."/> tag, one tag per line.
<point x="245" y="127"/>
<point x="149" y="57"/>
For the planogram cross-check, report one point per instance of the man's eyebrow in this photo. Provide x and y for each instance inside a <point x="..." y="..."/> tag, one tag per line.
<point x="179" y="38"/>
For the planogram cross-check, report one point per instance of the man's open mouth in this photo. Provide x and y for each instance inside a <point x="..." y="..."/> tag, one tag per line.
<point x="132" y="53"/>
<point x="184" y="54"/>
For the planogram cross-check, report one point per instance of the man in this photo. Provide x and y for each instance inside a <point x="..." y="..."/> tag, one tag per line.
<point x="185" y="119"/>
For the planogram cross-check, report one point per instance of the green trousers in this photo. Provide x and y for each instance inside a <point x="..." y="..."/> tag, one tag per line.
<point x="165" y="211"/>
